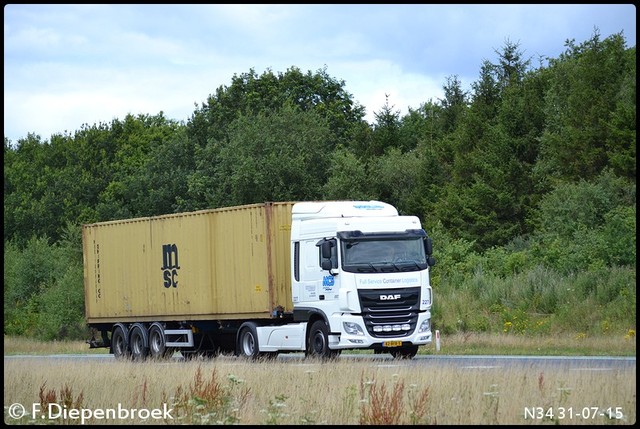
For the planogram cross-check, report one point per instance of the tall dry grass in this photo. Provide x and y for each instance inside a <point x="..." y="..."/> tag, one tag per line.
<point x="568" y="344"/>
<point x="31" y="346"/>
<point x="345" y="391"/>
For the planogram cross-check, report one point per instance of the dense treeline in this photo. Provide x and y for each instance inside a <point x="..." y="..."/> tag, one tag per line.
<point x="526" y="182"/>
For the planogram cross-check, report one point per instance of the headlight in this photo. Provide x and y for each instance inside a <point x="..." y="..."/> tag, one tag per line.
<point x="425" y="326"/>
<point x="352" y="328"/>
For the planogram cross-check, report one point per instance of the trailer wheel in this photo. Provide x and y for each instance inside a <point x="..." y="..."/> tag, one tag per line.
<point x="119" y="344"/>
<point x="157" y="343"/>
<point x="138" y="342"/>
<point x="405" y="352"/>
<point x="318" y="342"/>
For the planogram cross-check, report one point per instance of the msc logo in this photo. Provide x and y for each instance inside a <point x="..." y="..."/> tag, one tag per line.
<point x="390" y="297"/>
<point x="170" y="265"/>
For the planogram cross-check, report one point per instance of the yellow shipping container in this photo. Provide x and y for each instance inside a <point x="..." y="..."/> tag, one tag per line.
<point x="230" y="263"/>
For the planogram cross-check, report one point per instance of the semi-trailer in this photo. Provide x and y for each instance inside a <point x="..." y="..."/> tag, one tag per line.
<point x="260" y="279"/>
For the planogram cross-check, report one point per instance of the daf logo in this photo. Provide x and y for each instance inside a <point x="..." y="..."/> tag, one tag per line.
<point x="390" y="297"/>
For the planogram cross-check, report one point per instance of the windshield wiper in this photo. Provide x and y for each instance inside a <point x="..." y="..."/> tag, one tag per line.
<point x="409" y="266"/>
<point x="368" y="269"/>
<point x="386" y="267"/>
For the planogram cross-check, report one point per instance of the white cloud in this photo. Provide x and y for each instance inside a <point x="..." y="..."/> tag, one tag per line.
<point x="67" y="65"/>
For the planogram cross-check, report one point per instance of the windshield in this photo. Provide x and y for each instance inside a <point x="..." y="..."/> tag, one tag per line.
<point x="387" y="255"/>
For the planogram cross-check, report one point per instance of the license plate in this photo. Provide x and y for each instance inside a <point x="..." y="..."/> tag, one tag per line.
<point x="392" y="344"/>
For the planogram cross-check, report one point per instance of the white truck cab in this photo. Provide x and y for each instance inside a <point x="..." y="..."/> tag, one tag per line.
<point x="360" y="278"/>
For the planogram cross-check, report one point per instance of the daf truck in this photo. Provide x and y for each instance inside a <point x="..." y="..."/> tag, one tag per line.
<point x="260" y="279"/>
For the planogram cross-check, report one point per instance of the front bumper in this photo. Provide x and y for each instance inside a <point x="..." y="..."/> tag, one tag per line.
<point x="348" y="340"/>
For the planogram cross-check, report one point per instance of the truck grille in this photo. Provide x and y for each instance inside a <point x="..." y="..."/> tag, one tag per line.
<point x="390" y="313"/>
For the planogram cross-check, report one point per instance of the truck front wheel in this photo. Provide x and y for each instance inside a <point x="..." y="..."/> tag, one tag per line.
<point x="247" y="344"/>
<point x="318" y="342"/>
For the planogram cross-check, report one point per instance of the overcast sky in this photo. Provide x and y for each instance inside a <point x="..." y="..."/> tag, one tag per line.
<point x="69" y="65"/>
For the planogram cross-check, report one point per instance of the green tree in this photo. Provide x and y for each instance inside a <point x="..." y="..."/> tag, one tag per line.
<point x="396" y="178"/>
<point x="588" y="223"/>
<point x="347" y="178"/>
<point x="250" y="94"/>
<point x="386" y="131"/>
<point x="48" y="183"/>
<point x="486" y="199"/>
<point x="483" y="206"/>
<point x="283" y="156"/>
<point x="133" y="190"/>
<point x="27" y="272"/>
<point x="590" y="111"/>
<point x="421" y="124"/>
<point x="61" y="302"/>
<point x="454" y="104"/>
<point x="163" y="181"/>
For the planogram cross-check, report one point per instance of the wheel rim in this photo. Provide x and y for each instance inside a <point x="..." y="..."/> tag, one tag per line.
<point x="319" y="343"/>
<point x="248" y="344"/>
<point x="136" y="343"/>
<point x="155" y="342"/>
<point x="118" y="343"/>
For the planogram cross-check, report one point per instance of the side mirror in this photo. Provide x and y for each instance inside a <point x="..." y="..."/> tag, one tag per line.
<point x="428" y="246"/>
<point x="431" y="261"/>
<point x="325" y="248"/>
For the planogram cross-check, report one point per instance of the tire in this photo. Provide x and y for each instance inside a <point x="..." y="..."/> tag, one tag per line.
<point x="158" y="343"/>
<point x="318" y="342"/>
<point x="247" y="344"/>
<point x="138" y="342"/>
<point x="407" y="352"/>
<point x="119" y="345"/>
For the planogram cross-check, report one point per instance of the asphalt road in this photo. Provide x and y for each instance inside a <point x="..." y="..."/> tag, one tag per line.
<point x="485" y="362"/>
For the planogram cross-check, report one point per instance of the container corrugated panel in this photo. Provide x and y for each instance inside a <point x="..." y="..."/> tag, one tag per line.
<point x="230" y="263"/>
